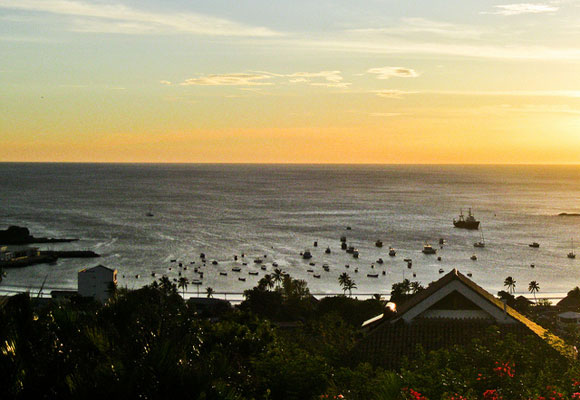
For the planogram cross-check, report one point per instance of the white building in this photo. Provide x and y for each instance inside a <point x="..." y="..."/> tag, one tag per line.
<point x="97" y="282"/>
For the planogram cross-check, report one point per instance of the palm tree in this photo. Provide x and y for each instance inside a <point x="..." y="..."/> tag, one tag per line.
<point x="343" y="281"/>
<point x="415" y="287"/>
<point x="209" y="291"/>
<point x="278" y="277"/>
<point x="267" y="282"/>
<point x="533" y="288"/>
<point x="349" y="286"/>
<point x="510" y="283"/>
<point x="182" y="284"/>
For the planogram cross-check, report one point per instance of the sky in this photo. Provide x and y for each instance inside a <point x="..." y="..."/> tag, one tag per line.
<point x="256" y="81"/>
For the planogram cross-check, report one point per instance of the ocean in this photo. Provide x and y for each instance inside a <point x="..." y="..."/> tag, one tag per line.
<point x="275" y="212"/>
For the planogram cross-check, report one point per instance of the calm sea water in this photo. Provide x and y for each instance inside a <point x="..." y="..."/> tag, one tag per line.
<point x="280" y="210"/>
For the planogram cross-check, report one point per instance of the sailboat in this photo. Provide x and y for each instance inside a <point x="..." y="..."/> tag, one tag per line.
<point x="481" y="242"/>
<point x="572" y="254"/>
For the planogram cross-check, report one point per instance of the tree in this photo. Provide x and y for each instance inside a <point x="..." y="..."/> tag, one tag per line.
<point x="182" y="284"/>
<point x="533" y="288"/>
<point x="278" y="277"/>
<point x="267" y="282"/>
<point x="510" y="283"/>
<point x="416" y="287"/>
<point x="209" y="291"/>
<point x="349" y="286"/>
<point x="343" y="281"/>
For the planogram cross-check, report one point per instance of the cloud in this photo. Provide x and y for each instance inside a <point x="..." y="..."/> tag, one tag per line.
<point x="388" y="114"/>
<point x="235" y="79"/>
<point x="330" y="76"/>
<point x="168" y="83"/>
<point x="392" y="93"/>
<point x="523" y="8"/>
<point x="389" y="72"/>
<point x="414" y="26"/>
<point x="117" y="18"/>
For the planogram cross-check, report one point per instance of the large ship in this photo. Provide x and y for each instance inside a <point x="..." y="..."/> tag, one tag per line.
<point x="468" y="222"/>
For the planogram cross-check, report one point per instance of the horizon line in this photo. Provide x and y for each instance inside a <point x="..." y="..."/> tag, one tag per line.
<point x="282" y="163"/>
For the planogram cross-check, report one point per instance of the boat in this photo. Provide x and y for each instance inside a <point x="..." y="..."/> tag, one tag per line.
<point x="355" y="254"/>
<point x="481" y="242"/>
<point x="407" y="260"/>
<point x="441" y="241"/>
<point x="315" y="244"/>
<point x="241" y="279"/>
<point x="307" y="255"/>
<point x="380" y="261"/>
<point x="309" y="270"/>
<point x="379" y="243"/>
<point x="572" y="254"/>
<point x="350" y="249"/>
<point x="343" y="239"/>
<point x="428" y="249"/>
<point x="372" y="275"/>
<point x="258" y="261"/>
<point x="441" y="270"/>
<point x="253" y="272"/>
<point x="223" y="273"/>
<point x="317" y="276"/>
<point x="343" y="246"/>
<point x="312" y="264"/>
<point x="274" y="264"/>
<point x="326" y="267"/>
<point x="468" y="222"/>
<point x="469" y="274"/>
<point x="327" y="251"/>
<point x="263" y="267"/>
<point x="236" y="269"/>
<point x="149" y="214"/>
<point x="473" y="257"/>
<point x="392" y="252"/>
<point x="356" y="270"/>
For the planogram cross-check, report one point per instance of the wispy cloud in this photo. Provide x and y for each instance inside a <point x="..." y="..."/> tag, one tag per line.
<point x="413" y="26"/>
<point x="257" y="78"/>
<point x="168" y="83"/>
<point x="523" y="8"/>
<point x="385" y="115"/>
<point x="390" y="72"/>
<point x="118" y="18"/>
<point x="235" y="79"/>
<point x="392" y="93"/>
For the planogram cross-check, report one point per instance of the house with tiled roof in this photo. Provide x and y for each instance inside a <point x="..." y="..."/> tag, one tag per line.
<point x="451" y="311"/>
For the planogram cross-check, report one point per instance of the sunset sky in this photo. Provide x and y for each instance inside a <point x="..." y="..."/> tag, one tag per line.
<point x="327" y="81"/>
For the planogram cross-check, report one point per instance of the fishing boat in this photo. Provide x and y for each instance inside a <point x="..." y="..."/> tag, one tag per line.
<point x="236" y="269"/>
<point x="253" y="273"/>
<point x="372" y="275"/>
<point x="572" y="254"/>
<point x="392" y="252"/>
<point x="534" y="245"/>
<point x="327" y="251"/>
<point x="317" y="276"/>
<point x="380" y="261"/>
<point x="473" y="257"/>
<point x="481" y="242"/>
<point x="468" y="222"/>
<point x="326" y="267"/>
<point x="428" y="249"/>
<point x="307" y="255"/>
<point x="355" y="253"/>
<point x="258" y="261"/>
<point x="379" y="243"/>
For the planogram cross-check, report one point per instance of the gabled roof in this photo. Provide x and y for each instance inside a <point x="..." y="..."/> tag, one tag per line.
<point x="97" y="267"/>
<point x="455" y="276"/>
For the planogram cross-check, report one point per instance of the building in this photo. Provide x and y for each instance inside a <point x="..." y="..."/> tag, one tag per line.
<point x="451" y="311"/>
<point x="97" y="282"/>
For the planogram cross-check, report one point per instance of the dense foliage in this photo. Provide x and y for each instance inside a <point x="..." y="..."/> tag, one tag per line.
<point x="151" y="344"/>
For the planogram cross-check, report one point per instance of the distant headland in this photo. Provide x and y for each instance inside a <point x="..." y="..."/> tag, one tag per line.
<point x="17" y="235"/>
<point x="569" y="214"/>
